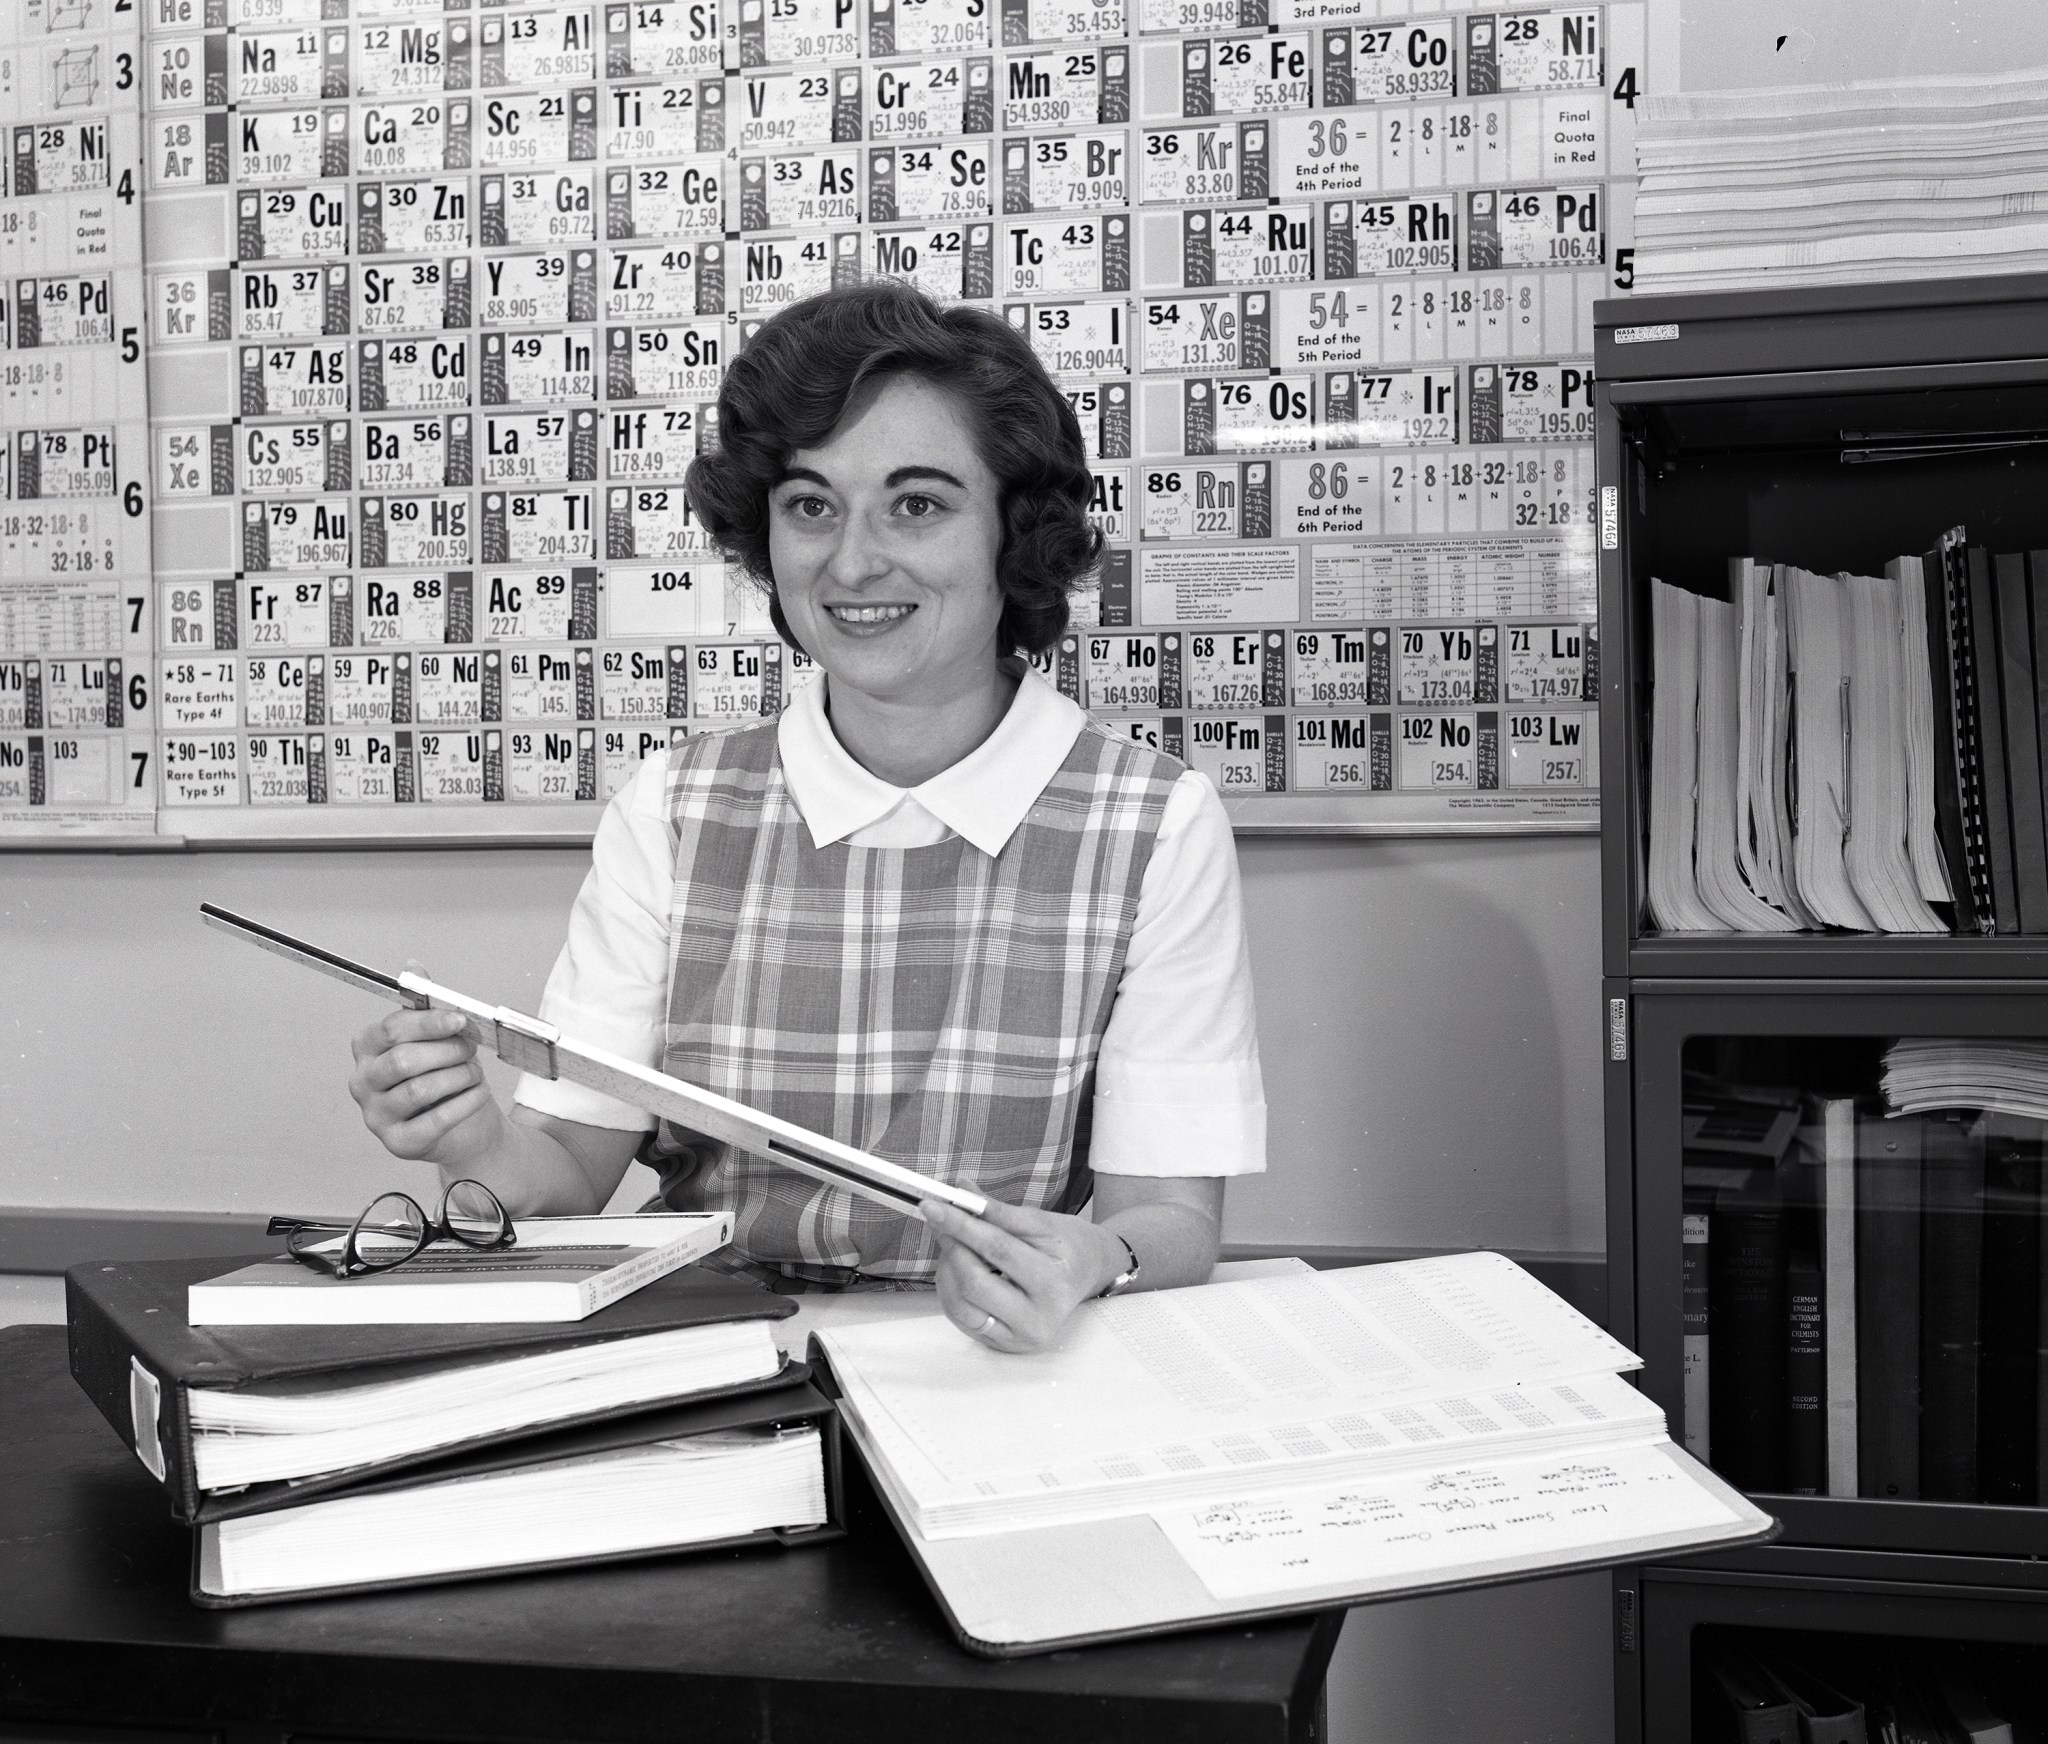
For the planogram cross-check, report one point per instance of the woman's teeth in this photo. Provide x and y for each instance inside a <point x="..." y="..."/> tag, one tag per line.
<point x="871" y="614"/>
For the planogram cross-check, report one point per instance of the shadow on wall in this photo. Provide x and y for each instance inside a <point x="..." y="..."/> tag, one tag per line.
<point x="1428" y="1021"/>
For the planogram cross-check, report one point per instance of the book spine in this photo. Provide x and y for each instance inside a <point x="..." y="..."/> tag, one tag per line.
<point x="146" y="1407"/>
<point x="1693" y="1296"/>
<point x="1838" y="1314"/>
<point x="1746" y="1320"/>
<point x="1990" y="711"/>
<point x="1948" y="799"/>
<point x="1951" y="1261"/>
<point x="657" y="1262"/>
<point x="2008" y="1398"/>
<point x="1969" y="750"/>
<point x="1888" y="1308"/>
<point x="1806" y="1461"/>
<point x="2022" y="746"/>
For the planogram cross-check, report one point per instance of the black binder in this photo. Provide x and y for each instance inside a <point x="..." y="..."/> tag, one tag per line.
<point x="137" y="1358"/>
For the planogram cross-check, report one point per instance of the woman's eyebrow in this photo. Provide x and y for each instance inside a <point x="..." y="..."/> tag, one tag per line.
<point x="904" y="474"/>
<point x="793" y="474"/>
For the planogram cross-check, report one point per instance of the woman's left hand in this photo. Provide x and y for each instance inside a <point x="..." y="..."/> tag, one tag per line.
<point x="1010" y="1278"/>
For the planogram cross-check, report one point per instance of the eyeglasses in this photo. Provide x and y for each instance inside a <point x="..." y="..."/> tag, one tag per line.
<point x="395" y="1229"/>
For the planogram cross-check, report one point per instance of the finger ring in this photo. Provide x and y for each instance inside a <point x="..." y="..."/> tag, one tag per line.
<point x="987" y="1321"/>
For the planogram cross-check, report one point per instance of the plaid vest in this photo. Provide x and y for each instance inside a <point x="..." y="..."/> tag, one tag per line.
<point x="938" y="1006"/>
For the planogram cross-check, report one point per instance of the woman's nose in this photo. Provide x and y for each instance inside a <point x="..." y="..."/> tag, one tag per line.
<point x="858" y="556"/>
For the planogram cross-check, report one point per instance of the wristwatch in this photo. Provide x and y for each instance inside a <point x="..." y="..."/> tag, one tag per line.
<point x="1125" y="1278"/>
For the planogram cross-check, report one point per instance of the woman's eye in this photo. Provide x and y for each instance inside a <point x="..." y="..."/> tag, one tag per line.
<point x="806" y="508"/>
<point x="920" y="506"/>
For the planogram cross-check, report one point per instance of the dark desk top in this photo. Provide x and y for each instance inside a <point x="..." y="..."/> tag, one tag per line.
<point x="839" y="1642"/>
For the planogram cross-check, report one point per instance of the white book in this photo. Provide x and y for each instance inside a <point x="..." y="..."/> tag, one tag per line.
<point x="559" y="1268"/>
<point x="1187" y="1456"/>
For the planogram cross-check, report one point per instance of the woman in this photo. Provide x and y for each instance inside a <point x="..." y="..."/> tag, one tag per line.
<point x="933" y="910"/>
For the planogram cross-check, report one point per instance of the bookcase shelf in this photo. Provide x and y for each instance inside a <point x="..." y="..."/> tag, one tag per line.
<point x="1740" y="425"/>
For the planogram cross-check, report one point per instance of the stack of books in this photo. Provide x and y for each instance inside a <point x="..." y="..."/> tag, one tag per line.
<point x="1840" y="184"/>
<point x="1867" y="1314"/>
<point x="582" y="1396"/>
<point x="1851" y="751"/>
<point x="1842" y="1691"/>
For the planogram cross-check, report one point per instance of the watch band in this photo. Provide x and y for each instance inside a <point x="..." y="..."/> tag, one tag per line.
<point x="1125" y="1278"/>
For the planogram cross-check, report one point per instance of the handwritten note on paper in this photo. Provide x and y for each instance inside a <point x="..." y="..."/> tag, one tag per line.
<point x="1379" y="1535"/>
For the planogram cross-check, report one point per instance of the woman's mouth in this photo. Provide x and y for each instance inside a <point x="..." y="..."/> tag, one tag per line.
<point x="869" y="615"/>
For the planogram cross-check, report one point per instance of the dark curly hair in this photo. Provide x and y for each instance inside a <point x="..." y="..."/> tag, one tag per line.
<point x="792" y="385"/>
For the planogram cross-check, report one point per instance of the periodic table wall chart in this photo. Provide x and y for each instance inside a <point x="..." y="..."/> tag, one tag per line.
<point x="356" y="350"/>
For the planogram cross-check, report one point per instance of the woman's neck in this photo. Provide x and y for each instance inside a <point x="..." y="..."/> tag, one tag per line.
<point x="906" y="744"/>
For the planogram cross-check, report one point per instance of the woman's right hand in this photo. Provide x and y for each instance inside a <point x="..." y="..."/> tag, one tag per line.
<point x="421" y="1088"/>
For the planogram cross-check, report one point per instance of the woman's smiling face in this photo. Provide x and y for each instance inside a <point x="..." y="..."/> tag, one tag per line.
<point x="884" y="540"/>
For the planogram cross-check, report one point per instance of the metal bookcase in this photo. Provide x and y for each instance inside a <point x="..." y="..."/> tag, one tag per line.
<point x="1778" y="425"/>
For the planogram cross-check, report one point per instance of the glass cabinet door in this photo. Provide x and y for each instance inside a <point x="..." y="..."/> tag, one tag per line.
<point x="1856" y="1310"/>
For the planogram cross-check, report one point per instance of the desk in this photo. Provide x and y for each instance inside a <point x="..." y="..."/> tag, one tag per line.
<point x="834" y="1645"/>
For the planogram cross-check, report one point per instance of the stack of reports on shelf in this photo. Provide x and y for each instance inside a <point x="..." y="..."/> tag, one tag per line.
<point x="1836" y="184"/>
<point x="1863" y="1287"/>
<point x="1858" y="752"/>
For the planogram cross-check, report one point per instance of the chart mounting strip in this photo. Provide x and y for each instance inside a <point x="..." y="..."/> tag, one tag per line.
<point x="352" y="510"/>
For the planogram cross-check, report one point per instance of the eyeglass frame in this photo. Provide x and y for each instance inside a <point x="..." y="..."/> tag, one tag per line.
<point x="350" y="1263"/>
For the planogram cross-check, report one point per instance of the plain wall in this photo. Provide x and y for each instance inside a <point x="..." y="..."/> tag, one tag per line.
<point x="1428" y="1013"/>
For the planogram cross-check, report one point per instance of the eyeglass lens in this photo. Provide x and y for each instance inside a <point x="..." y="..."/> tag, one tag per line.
<point x="471" y="1213"/>
<point x="389" y="1233"/>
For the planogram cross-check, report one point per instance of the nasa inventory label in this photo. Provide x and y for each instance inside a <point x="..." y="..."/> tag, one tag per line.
<point x="1246" y="75"/>
<point x="290" y="224"/>
<point x="412" y="374"/>
<point x="775" y="31"/>
<point x="422" y="217"/>
<point x="807" y="107"/>
<point x="657" y="38"/>
<point x="1082" y="338"/>
<point x="294" y="459"/>
<point x="684" y="118"/>
<point x="419" y="453"/>
<point x="784" y="190"/>
<point x="1074" y="172"/>
<point x="413" y="296"/>
<point x="548" y="288"/>
<point x="680" y="361"/>
<point x="671" y="281"/>
<point x="1066" y="87"/>
<point x="930" y="182"/>
<point x="546" y="526"/>
<point x="931" y="99"/>
<point x="539" y="448"/>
